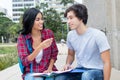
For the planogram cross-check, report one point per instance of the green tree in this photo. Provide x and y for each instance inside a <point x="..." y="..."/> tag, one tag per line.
<point x="43" y="6"/>
<point x="52" y="20"/>
<point x="13" y="31"/>
<point x="2" y="14"/>
<point x="65" y="28"/>
<point x="5" y="24"/>
<point x="65" y="2"/>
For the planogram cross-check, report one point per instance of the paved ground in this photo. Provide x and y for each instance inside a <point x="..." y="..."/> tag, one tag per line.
<point x="7" y="44"/>
<point x="13" y="73"/>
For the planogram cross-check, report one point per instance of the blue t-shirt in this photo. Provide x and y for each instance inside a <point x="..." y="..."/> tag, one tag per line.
<point x="88" y="47"/>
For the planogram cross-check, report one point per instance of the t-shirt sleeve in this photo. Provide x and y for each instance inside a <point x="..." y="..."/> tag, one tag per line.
<point x="68" y="42"/>
<point x="102" y="42"/>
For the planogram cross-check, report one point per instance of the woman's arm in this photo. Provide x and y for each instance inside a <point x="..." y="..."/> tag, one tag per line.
<point x="46" y="43"/>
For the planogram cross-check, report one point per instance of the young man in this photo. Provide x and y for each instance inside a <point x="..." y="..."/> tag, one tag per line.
<point x="89" y="45"/>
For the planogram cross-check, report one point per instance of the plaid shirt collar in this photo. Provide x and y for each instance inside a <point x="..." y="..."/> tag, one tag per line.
<point x="28" y="36"/>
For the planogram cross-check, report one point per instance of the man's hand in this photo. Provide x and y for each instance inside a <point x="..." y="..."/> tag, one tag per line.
<point x="67" y="66"/>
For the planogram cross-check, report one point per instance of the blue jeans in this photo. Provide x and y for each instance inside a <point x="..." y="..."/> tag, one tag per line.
<point x="93" y="74"/>
<point x="29" y="77"/>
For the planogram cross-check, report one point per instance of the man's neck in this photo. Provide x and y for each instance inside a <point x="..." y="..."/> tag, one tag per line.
<point x="81" y="30"/>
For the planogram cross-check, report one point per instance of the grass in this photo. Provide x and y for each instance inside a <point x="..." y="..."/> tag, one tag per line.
<point x="9" y="57"/>
<point x="7" y="50"/>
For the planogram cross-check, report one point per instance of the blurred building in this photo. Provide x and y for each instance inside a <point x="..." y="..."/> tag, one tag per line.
<point x="56" y="4"/>
<point x="3" y="10"/>
<point x="19" y="5"/>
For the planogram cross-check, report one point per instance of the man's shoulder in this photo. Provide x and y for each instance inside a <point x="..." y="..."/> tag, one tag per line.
<point x="96" y="32"/>
<point x="72" y="32"/>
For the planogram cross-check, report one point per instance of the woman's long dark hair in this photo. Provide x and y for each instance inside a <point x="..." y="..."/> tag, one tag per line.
<point x="28" y="20"/>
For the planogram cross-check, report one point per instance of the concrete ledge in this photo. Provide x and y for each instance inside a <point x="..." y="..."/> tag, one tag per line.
<point x="11" y="73"/>
<point x="115" y="74"/>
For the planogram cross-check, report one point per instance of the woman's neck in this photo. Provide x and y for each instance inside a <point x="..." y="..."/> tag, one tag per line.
<point x="36" y="34"/>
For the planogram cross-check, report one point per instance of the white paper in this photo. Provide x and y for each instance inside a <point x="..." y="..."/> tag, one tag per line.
<point x="50" y="74"/>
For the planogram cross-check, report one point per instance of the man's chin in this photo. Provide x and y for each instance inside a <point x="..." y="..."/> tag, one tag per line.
<point x="72" y="28"/>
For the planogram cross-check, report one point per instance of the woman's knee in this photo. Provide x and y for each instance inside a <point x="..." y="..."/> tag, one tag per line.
<point x="29" y="77"/>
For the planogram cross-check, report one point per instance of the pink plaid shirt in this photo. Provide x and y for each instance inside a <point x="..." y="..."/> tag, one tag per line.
<point x="48" y="53"/>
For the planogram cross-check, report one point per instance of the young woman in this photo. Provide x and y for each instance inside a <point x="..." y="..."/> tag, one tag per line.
<point x="44" y="49"/>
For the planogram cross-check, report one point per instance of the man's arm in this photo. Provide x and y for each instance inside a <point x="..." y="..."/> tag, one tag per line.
<point x="70" y="59"/>
<point x="107" y="64"/>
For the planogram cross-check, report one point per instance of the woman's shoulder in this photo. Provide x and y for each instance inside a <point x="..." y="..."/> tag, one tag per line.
<point x="20" y="36"/>
<point x="49" y="31"/>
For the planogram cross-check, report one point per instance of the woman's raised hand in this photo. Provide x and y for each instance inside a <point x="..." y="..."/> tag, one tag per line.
<point x="46" y="43"/>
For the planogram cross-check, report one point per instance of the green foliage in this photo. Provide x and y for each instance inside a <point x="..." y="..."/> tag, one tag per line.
<point x="52" y="20"/>
<point x="5" y="24"/>
<point x="7" y="50"/>
<point x="9" y="57"/>
<point x="13" y="31"/>
<point x="65" y="2"/>
<point x="59" y="36"/>
<point x="9" y="30"/>
<point x="43" y="6"/>
<point x="8" y="61"/>
<point x="2" y="14"/>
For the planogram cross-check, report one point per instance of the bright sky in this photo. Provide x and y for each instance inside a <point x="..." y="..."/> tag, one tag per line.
<point x="7" y="4"/>
<point x="80" y="1"/>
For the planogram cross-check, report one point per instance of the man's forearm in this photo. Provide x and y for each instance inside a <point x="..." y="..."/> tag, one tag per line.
<point x="107" y="71"/>
<point x="70" y="59"/>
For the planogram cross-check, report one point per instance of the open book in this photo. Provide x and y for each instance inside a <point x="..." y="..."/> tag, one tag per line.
<point x="50" y="74"/>
<point x="58" y="72"/>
